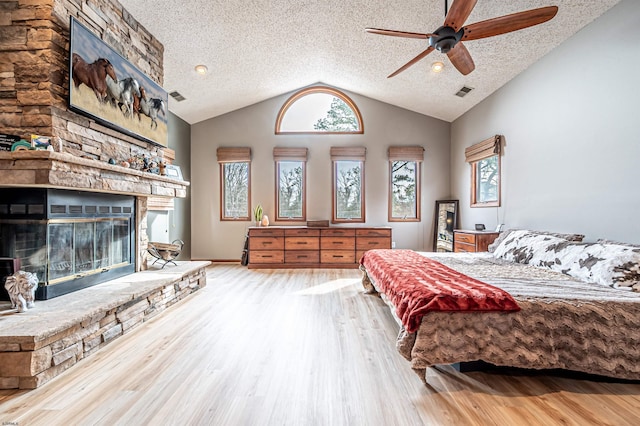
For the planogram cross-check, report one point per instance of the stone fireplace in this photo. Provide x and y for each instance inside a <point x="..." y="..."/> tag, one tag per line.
<point x="70" y="239"/>
<point x="59" y="200"/>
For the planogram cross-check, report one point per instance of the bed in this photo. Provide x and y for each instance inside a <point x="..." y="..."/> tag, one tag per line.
<point x="565" y="318"/>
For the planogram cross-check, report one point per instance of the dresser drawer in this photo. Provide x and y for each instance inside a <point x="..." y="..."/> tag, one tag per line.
<point x="266" y="232"/>
<point x="302" y="256"/>
<point x="266" y="243"/>
<point x="370" y="243"/>
<point x="373" y="232"/>
<point x="464" y="248"/>
<point x="301" y="232"/>
<point x="337" y="232"/>
<point x="301" y="243"/>
<point x="472" y="241"/>
<point x="337" y="256"/>
<point x="337" y="243"/>
<point x="266" y="256"/>
<point x="460" y="237"/>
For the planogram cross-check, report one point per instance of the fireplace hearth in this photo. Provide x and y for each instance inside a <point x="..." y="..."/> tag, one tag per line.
<point x="70" y="239"/>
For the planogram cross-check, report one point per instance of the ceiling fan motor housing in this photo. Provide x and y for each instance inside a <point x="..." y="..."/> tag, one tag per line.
<point x="445" y="38"/>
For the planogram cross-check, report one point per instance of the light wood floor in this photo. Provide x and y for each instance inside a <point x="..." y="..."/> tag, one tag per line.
<point x="296" y="347"/>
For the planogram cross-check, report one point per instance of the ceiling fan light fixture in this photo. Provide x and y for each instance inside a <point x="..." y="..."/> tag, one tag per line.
<point x="201" y="69"/>
<point x="437" y="67"/>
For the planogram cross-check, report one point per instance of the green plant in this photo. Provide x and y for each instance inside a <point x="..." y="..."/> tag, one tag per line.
<point x="257" y="213"/>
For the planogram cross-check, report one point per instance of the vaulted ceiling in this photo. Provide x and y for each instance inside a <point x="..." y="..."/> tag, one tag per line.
<point x="258" y="49"/>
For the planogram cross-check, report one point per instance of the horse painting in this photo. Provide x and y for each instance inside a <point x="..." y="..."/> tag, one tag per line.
<point x="93" y="75"/>
<point x="121" y="93"/>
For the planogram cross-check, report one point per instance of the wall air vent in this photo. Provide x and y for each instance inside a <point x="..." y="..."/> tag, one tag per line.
<point x="177" y="96"/>
<point x="463" y="91"/>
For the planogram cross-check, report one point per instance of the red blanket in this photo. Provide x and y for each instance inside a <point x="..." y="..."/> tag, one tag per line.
<point x="416" y="285"/>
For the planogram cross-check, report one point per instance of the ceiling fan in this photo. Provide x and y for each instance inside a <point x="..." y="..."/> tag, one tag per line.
<point x="449" y="37"/>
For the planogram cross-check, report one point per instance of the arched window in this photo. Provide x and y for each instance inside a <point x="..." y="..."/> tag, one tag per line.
<point x="319" y="109"/>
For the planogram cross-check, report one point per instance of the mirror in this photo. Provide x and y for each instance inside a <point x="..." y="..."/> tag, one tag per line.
<point x="446" y="220"/>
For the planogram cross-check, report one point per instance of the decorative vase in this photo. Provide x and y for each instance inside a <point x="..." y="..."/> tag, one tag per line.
<point x="265" y="220"/>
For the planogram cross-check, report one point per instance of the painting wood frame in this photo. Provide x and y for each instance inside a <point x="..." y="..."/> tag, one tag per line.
<point x="84" y="100"/>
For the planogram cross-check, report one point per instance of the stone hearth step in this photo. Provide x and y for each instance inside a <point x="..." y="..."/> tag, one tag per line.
<point x="39" y="344"/>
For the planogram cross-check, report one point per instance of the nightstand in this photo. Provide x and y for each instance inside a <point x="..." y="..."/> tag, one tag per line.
<point x="472" y="241"/>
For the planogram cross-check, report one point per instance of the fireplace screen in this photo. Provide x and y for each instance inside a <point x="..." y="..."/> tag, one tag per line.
<point x="87" y="239"/>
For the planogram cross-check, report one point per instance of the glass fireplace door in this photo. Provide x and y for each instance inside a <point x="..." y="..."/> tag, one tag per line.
<point x="81" y="247"/>
<point x="60" y="250"/>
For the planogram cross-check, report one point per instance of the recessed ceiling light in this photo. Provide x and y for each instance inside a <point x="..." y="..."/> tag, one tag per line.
<point x="437" y="66"/>
<point x="201" y="69"/>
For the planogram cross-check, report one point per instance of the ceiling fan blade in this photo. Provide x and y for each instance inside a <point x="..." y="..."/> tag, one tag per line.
<point x="458" y="13"/>
<point x="394" y="33"/>
<point x="509" y="23"/>
<point x="411" y="62"/>
<point x="461" y="58"/>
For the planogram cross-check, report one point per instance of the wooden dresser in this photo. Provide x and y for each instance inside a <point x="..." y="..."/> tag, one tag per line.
<point x="472" y="241"/>
<point x="303" y="247"/>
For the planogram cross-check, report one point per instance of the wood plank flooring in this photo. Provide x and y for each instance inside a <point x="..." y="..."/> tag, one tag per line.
<point x="295" y="347"/>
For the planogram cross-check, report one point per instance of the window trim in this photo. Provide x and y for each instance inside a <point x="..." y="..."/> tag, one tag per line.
<point x="410" y="154"/>
<point x="481" y="151"/>
<point x="315" y="90"/>
<point x="234" y="155"/>
<point x="356" y="154"/>
<point x="290" y="155"/>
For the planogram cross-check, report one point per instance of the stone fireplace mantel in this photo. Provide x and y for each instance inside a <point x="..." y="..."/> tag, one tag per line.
<point x="66" y="171"/>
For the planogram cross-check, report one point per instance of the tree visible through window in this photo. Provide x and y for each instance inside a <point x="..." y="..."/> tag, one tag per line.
<point x="404" y="182"/>
<point x="235" y="190"/>
<point x="319" y="109"/>
<point x="340" y="118"/>
<point x="290" y="190"/>
<point x="404" y="195"/>
<point x="487" y="174"/>
<point x="348" y="187"/>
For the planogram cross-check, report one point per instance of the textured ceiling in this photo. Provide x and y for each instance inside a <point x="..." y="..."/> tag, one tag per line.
<point x="259" y="49"/>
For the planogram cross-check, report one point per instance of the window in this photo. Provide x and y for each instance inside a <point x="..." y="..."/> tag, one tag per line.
<point x="235" y="178"/>
<point x="319" y="109"/>
<point x="484" y="158"/>
<point x="404" y="183"/>
<point x="348" y="184"/>
<point x="291" y="183"/>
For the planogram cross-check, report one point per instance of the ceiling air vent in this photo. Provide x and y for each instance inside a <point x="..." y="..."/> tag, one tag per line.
<point x="463" y="92"/>
<point x="177" y="96"/>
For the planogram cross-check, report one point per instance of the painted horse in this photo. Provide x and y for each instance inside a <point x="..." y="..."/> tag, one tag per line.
<point x="121" y="93"/>
<point x="150" y="107"/>
<point x="92" y="75"/>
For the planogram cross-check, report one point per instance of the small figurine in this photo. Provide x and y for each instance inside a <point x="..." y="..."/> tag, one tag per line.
<point x="21" y="287"/>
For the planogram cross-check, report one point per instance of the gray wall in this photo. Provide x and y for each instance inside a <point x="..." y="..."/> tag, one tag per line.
<point x="168" y="226"/>
<point x="571" y="122"/>
<point x="254" y="126"/>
